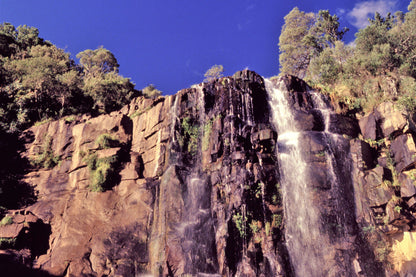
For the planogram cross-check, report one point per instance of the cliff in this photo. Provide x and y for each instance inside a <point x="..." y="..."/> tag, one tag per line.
<point x="209" y="182"/>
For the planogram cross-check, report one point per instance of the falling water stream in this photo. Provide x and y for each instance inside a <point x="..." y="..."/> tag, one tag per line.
<point x="312" y="252"/>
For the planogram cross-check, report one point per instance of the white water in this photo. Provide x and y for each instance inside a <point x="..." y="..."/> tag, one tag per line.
<point x="306" y="244"/>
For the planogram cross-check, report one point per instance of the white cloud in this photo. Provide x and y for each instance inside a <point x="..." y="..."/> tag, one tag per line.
<point x="340" y="12"/>
<point x="362" y="11"/>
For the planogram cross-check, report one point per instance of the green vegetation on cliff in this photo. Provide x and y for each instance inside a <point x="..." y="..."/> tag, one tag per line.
<point x="40" y="81"/>
<point x="380" y="65"/>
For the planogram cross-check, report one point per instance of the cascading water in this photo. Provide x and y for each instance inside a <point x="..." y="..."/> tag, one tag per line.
<point x="196" y="231"/>
<point x="301" y="218"/>
<point x="312" y="250"/>
<point x="335" y="147"/>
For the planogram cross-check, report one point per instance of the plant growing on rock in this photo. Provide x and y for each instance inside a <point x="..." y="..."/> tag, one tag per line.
<point x="214" y="72"/>
<point x="46" y="158"/>
<point x="105" y="141"/>
<point x="7" y="220"/>
<point x="7" y="243"/>
<point x="191" y="135"/>
<point x="240" y="222"/>
<point x="101" y="171"/>
<point x="207" y="134"/>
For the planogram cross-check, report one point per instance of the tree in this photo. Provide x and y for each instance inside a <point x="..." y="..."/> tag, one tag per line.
<point x="295" y="51"/>
<point x="151" y="92"/>
<point x="326" y="30"/>
<point x="28" y="36"/>
<point x="37" y="83"/>
<point x="101" y="81"/>
<point x="328" y="66"/>
<point x="214" y="72"/>
<point x="109" y="91"/>
<point x="97" y="62"/>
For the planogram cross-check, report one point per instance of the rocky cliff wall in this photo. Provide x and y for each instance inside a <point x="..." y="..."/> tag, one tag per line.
<point x="190" y="184"/>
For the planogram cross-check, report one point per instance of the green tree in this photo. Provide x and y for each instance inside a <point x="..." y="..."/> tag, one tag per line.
<point x="325" y="31"/>
<point x="97" y="62"/>
<point x="151" y="92"/>
<point x="109" y="91"/>
<point x="101" y="81"/>
<point x="28" y="36"/>
<point x="214" y="72"/>
<point x="36" y="85"/>
<point x="328" y="66"/>
<point x="296" y="50"/>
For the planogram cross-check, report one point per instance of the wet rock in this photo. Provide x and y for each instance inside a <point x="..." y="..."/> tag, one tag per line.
<point x="344" y="125"/>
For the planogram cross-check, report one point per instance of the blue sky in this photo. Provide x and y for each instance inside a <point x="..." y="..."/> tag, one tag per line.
<point x="172" y="43"/>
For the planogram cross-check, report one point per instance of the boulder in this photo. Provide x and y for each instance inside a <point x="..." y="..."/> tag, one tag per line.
<point x="407" y="182"/>
<point x="390" y="119"/>
<point x="368" y="126"/>
<point x="377" y="193"/>
<point x="343" y="125"/>
<point x="403" y="150"/>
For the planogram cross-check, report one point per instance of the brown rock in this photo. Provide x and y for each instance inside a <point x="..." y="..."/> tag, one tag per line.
<point x="368" y="126"/>
<point x="403" y="150"/>
<point x="390" y="118"/>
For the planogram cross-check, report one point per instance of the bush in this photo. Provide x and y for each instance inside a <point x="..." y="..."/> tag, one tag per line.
<point x="105" y="141"/>
<point x="7" y="242"/>
<point x="46" y="158"/>
<point x="7" y="220"/>
<point x="191" y="134"/>
<point x="101" y="171"/>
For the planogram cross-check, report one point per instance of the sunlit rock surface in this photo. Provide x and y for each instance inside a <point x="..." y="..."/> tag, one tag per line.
<point x="207" y="182"/>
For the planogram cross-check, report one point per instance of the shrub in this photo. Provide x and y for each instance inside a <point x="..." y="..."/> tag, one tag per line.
<point x="7" y="242"/>
<point x="214" y="72"/>
<point x="240" y="223"/>
<point x="151" y="92"/>
<point x="7" y="220"/>
<point x="105" y="141"/>
<point x="46" y="158"/>
<point x="101" y="171"/>
<point x="207" y="135"/>
<point x="191" y="133"/>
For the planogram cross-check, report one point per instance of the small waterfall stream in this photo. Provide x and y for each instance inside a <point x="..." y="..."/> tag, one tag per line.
<point x="195" y="231"/>
<point x="313" y="251"/>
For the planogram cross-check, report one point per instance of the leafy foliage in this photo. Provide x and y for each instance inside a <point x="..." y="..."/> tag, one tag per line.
<point x="151" y="92"/>
<point x="7" y="220"/>
<point x="105" y="141"/>
<point x="380" y="65"/>
<point x="295" y="52"/>
<point x="214" y="72"/>
<point x="40" y="81"/>
<point x="191" y="135"/>
<point x="46" y="158"/>
<point x="101" y="171"/>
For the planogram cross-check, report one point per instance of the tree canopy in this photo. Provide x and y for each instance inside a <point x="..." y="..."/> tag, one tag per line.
<point x="39" y="80"/>
<point x="380" y="65"/>
<point x="214" y="72"/>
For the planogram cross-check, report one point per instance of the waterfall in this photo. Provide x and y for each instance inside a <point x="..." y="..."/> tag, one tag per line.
<point x="196" y="232"/>
<point x="309" y="247"/>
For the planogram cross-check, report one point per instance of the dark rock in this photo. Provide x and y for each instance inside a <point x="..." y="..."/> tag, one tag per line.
<point x="344" y="125"/>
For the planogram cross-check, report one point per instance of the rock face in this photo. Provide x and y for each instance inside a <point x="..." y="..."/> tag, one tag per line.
<point x="191" y="184"/>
